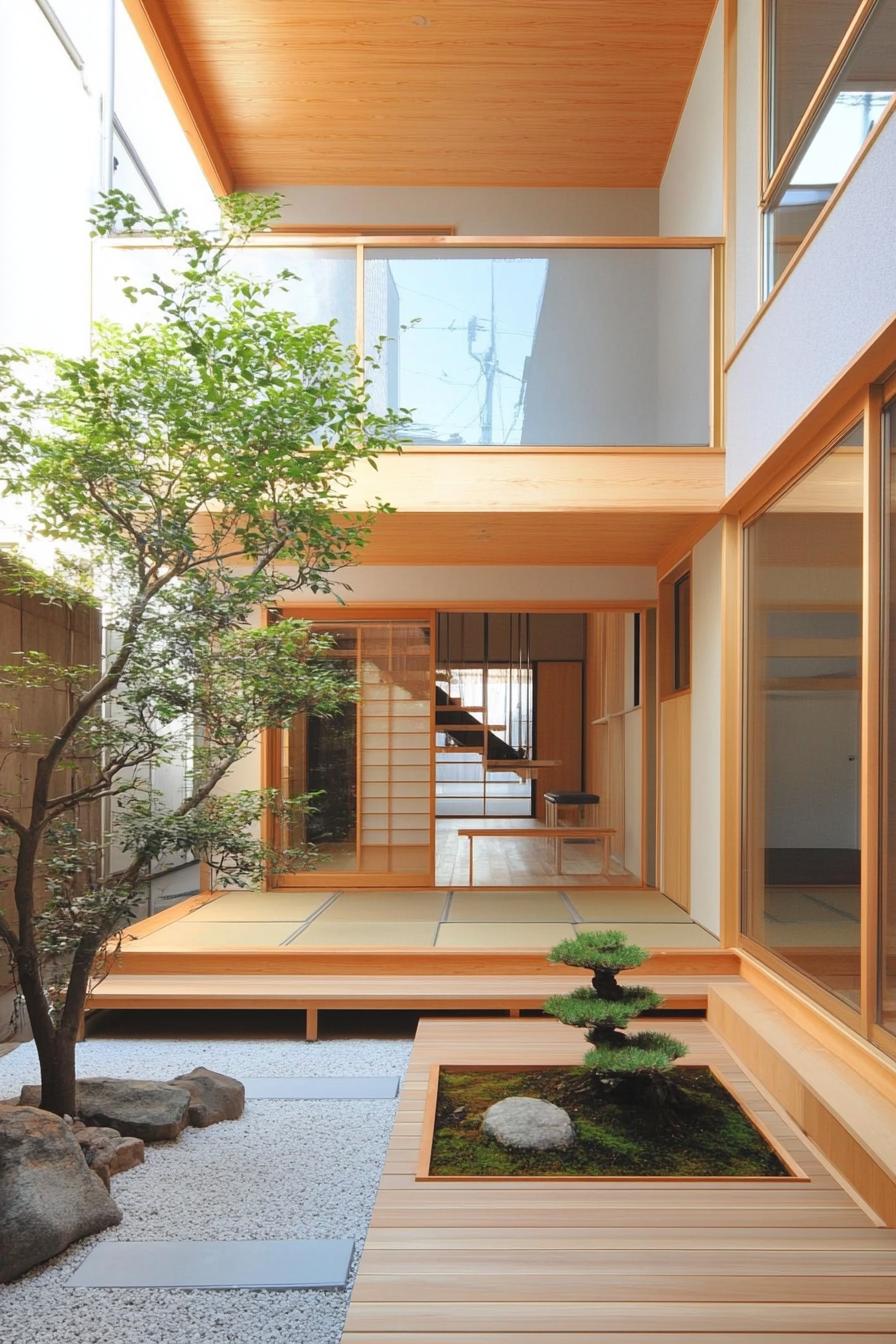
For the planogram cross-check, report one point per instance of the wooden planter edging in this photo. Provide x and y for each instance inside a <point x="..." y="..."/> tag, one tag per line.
<point x="795" y="1171"/>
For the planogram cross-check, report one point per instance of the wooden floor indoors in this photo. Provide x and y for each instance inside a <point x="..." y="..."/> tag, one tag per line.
<point x="623" y="1263"/>
<point x="519" y="862"/>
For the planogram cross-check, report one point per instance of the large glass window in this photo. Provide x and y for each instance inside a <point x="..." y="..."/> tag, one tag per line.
<point x="803" y="37"/>
<point x="857" y="98"/>
<point x="803" y="701"/>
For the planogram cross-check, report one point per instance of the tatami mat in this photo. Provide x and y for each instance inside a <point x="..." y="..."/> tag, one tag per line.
<point x="255" y="906"/>
<point x="503" y="935"/>
<point x="239" y="933"/>
<point x="498" y="907"/>
<point x="650" y="906"/>
<point x="387" y="905"/>
<point x="382" y="933"/>
<point x="836" y="931"/>
<point x="657" y="935"/>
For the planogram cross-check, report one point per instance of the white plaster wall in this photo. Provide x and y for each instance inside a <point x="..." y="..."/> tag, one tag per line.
<point x="431" y="584"/>
<point x="49" y="166"/>
<point x="748" y="103"/>
<point x="479" y="210"/>
<point x="690" y="196"/>
<point x="706" y="729"/>
<point x="840" y="294"/>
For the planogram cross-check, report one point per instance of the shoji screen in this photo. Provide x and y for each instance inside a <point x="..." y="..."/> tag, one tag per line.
<point x="371" y="767"/>
<point x="396" y="749"/>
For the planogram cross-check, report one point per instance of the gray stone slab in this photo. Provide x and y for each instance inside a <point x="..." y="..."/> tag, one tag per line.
<point x="363" y="1088"/>
<point x="215" y="1264"/>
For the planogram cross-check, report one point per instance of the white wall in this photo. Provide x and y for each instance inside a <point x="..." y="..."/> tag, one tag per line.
<point x="431" y="584"/>
<point x="840" y="294"/>
<point x="478" y="210"/>
<point x="49" y="166"/>
<point x="706" y="729"/>
<point x="690" y="197"/>
<point x="748" y="103"/>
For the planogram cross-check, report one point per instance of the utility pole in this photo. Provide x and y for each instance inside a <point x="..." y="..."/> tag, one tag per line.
<point x="488" y="363"/>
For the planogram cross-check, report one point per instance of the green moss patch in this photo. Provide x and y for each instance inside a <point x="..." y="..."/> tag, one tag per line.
<point x="704" y="1132"/>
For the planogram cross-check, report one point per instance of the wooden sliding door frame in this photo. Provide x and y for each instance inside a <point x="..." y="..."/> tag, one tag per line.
<point x="771" y="482"/>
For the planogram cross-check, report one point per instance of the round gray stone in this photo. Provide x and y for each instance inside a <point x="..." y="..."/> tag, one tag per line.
<point x="527" y="1122"/>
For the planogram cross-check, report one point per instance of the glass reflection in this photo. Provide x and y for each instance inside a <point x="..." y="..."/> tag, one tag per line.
<point x="569" y="347"/>
<point x="802" y="694"/>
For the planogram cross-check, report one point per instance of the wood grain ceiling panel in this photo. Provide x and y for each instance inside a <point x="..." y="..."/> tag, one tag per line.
<point x="526" y="539"/>
<point x="436" y="92"/>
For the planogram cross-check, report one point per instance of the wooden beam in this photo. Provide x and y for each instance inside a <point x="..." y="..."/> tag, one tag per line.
<point x="154" y="29"/>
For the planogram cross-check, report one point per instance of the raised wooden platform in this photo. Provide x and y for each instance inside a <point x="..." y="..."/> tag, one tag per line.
<point x="623" y="1263"/>
<point x="414" y="992"/>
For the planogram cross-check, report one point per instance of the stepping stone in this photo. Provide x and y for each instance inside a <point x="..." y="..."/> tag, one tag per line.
<point x="363" y="1088"/>
<point x="216" y="1264"/>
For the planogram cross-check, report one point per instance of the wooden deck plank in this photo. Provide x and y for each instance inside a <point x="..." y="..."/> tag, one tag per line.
<point x="413" y="992"/>
<point x="467" y="1262"/>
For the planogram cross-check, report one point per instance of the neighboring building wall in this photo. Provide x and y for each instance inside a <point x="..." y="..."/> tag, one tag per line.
<point x="840" y="294"/>
<point x="478" y="210"/>
<point x="68" y="635"/>
<point x="690" y="195"/>
<point x="706" y="724"/>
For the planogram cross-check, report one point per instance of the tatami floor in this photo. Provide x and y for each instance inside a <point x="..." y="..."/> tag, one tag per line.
<point x="531" y="919"/>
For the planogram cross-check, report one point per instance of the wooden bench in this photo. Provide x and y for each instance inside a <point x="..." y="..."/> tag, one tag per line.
<point x="561" y="833"/>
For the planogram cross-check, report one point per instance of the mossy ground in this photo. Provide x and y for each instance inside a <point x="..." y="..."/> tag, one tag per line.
<point x="705" y="1133"/>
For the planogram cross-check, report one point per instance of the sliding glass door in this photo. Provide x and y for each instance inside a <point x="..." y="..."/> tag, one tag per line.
<point x="802" y="858"/>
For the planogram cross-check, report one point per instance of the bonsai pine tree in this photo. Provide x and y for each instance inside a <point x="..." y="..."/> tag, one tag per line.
<point x="196" y="466"/>
<point x="636" y="1064"/>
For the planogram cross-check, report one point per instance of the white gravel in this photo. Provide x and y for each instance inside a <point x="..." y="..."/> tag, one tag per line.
<point x="286" y="1169"/>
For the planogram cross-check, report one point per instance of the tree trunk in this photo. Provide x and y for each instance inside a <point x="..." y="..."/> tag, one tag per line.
<point x="57" y="1075"/>
<point x="55" y="1046"/>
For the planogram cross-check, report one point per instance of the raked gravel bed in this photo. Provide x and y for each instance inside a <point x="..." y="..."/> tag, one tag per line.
<point x="286" y="1169"/>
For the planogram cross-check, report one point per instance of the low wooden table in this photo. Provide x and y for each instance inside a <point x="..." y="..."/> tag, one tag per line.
<point x="555" y="833"/>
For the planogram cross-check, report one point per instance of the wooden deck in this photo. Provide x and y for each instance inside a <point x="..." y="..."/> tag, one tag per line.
<point x="406" y="992"/>
<point x="623" y="1263"/>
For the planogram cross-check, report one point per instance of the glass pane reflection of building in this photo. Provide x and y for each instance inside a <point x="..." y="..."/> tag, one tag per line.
<point x="802" y="692"/>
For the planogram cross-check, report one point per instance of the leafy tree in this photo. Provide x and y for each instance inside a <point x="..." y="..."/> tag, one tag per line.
<point x="635" y="1065"/>
<point x="196" y="464"/>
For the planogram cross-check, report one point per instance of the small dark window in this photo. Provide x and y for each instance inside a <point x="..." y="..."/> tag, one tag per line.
<point x="681" y="617"/>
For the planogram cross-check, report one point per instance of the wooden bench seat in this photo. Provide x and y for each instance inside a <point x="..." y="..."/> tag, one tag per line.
<point x="558" y="834"/>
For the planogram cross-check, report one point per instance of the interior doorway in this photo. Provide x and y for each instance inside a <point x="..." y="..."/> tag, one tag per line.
<point x="531" y="709"/>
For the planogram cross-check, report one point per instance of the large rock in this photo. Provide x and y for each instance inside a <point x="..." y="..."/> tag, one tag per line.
<point x="106" y="1151"/>
<point x="214" y="1096"/>
<point x="142" y="1110"/>
<point x="526" y="1122"/>
<point x="49" y="1197"/>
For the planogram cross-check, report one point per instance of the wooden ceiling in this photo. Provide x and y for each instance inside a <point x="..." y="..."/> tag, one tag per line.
<point x="529" y="539"/>
<point x="563" y="93"/>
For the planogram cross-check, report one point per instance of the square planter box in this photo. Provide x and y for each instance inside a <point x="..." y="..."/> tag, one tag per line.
<point x="791" y="1170"/>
